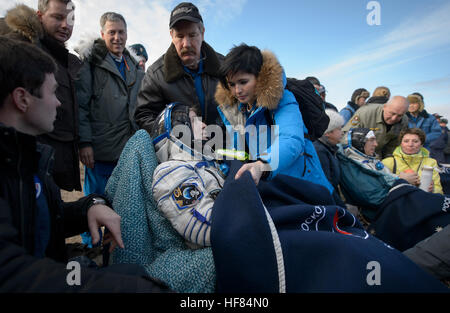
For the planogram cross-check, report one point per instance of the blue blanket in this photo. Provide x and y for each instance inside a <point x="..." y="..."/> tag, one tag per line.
<point x="149" y="238"/>
<point x="288" y="245"/>
<point x="409" y="215"/>
<point x="445" y="181"/>
<point x="292" y="246"/>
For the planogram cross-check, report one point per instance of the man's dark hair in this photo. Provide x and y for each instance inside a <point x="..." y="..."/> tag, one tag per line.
<point x="22" y="65"/>
<point x="243" y="58"/>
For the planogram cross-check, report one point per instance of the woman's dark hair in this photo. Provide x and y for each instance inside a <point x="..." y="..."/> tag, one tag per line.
<point x="22" y="65"/>
<point x="243" y="58"/>
<point x="413" y="131"/>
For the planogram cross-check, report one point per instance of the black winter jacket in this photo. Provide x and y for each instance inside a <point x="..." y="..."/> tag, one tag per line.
<point x="22" y="23"/>
<point x="21" y="157"/>
<point x="330" y="166"/>
<point x="166" y="82"/>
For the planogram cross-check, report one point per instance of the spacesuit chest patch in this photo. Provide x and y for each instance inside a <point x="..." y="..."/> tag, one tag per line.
<point x="186" y="196"/>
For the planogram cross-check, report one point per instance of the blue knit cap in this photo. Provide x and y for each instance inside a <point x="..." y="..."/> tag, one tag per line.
<point x="140" y="50"/>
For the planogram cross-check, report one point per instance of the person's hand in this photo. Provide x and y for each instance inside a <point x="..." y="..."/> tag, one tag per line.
<point x="101" y="215"/>
<point x="431" y="188"/>
<point x="256" y="169"/>
<point x="87" y="156"/>
<point x="411" y="177"/>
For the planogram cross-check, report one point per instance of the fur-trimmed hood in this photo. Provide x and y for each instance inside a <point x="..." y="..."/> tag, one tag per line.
<point x="416" y="99"/>
<point x="94" y="50"/>
<point x="23" y="21"/>
<point x="270" y="85"/>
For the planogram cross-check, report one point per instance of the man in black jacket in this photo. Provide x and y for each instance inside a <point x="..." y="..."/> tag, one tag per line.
<point x="187" y="73"/>
<point x="50" y="27"/>
<point x="34" y="221"/>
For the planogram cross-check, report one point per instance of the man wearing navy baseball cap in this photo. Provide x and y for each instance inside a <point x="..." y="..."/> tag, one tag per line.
<point x="187" y="73"/>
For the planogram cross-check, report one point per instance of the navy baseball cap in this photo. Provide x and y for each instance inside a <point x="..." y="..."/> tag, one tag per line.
<point x="185" y="11"/>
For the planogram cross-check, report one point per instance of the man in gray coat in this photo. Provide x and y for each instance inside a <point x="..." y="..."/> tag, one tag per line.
<point x="188" y="72"/>
<point x="107" y="87"/>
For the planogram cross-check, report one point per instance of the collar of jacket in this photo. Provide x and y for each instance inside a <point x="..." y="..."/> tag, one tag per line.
<point x="23" y="21"/>
<point x="423" y="153"/>
<point x="355" y="154"/>
<point x="96" y="54"/>
<point x="99" y="51"/>
<point x="269" y="86"/>
<point x="422" y="113"/>
<point x="353" y="105"/>
<point x="18" y="151"/>
<point x="173" y="69"/>
<point x="56" y="49"/>
<point x="381" y="100"/>
<point x="332" y="148"/>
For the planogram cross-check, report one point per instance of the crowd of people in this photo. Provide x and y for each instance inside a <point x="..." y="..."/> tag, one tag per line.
<point x="58" y="109"/>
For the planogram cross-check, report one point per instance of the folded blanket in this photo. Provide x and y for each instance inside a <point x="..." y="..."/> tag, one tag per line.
<point x="410" y="215"/>
<point x="299" y="247"/>
<point x="149" y="238"/>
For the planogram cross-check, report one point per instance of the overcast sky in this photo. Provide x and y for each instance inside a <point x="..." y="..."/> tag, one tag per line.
<point x="408" y="51"/>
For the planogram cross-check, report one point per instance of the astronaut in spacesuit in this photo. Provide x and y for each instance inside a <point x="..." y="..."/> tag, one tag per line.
<point x="186" y="182"/>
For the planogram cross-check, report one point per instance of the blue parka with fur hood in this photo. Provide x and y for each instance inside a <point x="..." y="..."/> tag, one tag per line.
<point x="283" y="147"/>
<point x="424" y="121"/>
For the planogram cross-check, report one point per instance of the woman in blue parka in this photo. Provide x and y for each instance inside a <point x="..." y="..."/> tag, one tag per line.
<point x="419" y="118"/>
<point x="263" y="118"/>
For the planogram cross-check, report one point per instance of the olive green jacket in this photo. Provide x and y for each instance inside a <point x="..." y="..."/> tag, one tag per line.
<point x="371" y="116"/>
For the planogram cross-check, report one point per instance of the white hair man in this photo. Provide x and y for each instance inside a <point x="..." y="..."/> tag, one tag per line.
<point x="386" y="120"/>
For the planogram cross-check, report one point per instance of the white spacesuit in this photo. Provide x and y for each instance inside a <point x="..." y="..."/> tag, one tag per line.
<point x="186" y="183"/>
